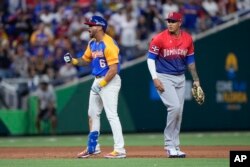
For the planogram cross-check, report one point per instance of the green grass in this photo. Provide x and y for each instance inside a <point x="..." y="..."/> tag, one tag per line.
<point x="187" y="139"/>
<point x="132" y="162"/>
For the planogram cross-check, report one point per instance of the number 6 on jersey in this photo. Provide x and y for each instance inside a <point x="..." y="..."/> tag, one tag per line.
<point x="102" y="63"/>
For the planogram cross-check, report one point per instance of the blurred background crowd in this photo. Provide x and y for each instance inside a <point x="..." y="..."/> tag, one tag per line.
<point x="35" y="34"/>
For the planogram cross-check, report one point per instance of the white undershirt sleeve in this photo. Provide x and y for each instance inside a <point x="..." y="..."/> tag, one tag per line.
<point x="152" y="68"/>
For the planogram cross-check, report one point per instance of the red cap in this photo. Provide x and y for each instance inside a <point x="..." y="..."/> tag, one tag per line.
<point x="174" y="16"/>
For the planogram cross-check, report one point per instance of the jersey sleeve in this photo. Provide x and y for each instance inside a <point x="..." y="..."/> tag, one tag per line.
<point x="151" y="56"/>
<point x="155" y="46"/>
<point x="87" y="54"/>
<point x="111" y="53"/>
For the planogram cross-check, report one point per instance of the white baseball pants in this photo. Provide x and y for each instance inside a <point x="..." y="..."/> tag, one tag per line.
<point x="107" y="99"/>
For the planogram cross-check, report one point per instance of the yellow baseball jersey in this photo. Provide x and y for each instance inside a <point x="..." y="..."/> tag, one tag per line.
<point x="102" y="54"/>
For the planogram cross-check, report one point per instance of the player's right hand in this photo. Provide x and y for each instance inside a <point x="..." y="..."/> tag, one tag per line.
<point x="158" y="85"/>
<point x="67" y="58"/>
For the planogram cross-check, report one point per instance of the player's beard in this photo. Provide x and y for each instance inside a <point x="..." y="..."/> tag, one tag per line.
<point x="92" y="33"/>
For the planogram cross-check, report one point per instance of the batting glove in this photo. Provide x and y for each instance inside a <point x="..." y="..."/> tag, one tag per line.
<point x="96" y="88"/>
<point x="67" y="58"/>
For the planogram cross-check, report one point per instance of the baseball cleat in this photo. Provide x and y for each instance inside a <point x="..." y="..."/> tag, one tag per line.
<point x="172" y="153"/>
<point x="86" y="154"/>
<point x="181" y="154"/>
<point x="115" y="154"/>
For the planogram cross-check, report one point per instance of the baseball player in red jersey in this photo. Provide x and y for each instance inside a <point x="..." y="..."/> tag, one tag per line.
<point x="103" y="54"/>
<point x="170" y="53"/>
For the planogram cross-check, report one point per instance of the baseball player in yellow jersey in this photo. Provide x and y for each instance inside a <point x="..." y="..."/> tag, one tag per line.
<point x="103" y="54"/>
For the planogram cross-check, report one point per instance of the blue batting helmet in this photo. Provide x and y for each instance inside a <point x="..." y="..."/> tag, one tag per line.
<point x="97" y="21"/>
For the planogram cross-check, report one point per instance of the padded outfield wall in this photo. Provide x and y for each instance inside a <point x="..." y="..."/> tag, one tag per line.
<point x="222" y="62"/>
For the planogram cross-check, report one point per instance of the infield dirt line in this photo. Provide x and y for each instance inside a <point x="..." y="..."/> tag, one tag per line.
<point x="132" y="152"/>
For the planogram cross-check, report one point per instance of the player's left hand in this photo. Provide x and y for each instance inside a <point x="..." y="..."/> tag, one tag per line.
<point x="196" y="83"/>
<point x="96" y="87"/>
<point x="198" y="93"/>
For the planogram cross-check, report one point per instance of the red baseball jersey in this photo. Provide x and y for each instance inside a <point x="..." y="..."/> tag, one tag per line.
<point x="170" y="52"/>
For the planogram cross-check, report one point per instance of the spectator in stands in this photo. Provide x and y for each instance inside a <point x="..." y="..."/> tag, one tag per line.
<point x="62" y="40"/>
<point x="58" y="15"/>
<point x="38" y="61"/>
<point x="142" y="33"/>
<point x="222" y="7"/>
<point x="68" y="73"/>
<point x="76" y="27"/>
<point x="3" y="35"/>
<point x="2" y="95"/>
<point x="33" y="79"/>
<point x="53" y="76"/>
<point x="93" y="12"/>
<point x="204" y="22"/>
<point x="153" y="17"/>
<point x="58" y="61"/>
<point x="111" y="28"/>
<point x="116" y="19"/>
<point x="190" y="11"/>
<point x="14" y="5"/>
<point x="46" y="105"/>
<point x="47" y="16"/>
<point x="35" y="24"/>
<point x="231" y="6"/>
<point x="41" y="38"/>
<point x="5" y="61"/>
<point x="84" y="3"/>
<point x="128" y="38"/>
<point x="243" y="4"/>
<point x="38" y="8"/>
<point x="20" y="62"/>
<point x="169" y="6"/>
<point x="82" y="70"/>
<point x="212" y="9"/>
<point x="23" y="23"/>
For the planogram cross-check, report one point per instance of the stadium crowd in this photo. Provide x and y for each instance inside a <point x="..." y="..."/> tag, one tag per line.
<point x="35" y="34"/>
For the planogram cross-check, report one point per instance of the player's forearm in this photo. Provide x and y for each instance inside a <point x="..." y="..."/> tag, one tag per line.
<point x="79" y="62"/>
<point x="113" y="69"/>
<point x="152" y="68"/>
<point x="193" y="72"/>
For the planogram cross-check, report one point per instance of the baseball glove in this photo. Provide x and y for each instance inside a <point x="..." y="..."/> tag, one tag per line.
<point x="198" y="94"/>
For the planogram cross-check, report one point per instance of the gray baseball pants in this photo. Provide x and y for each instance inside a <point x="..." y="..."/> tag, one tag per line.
<point x="173" y="99"/>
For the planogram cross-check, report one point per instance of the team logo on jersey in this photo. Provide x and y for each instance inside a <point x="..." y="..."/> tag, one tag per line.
<point x="96" y="54"/>
<point x="171" y="52"/>
<point x="154" y="49"/>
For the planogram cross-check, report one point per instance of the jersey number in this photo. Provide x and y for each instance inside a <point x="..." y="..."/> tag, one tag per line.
<point x="102" y="63"/>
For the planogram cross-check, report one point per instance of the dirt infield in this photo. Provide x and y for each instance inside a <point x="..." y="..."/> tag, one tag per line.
<point x="132" y="152"/>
